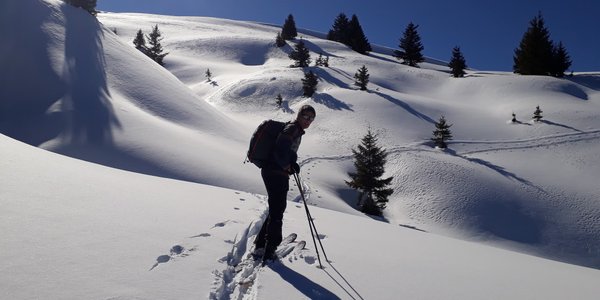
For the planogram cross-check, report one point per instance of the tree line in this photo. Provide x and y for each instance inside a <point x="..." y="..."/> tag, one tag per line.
<point x="536" y="54"/>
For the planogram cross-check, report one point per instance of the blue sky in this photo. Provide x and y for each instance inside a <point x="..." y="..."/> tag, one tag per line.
<point x="487" y="31"/>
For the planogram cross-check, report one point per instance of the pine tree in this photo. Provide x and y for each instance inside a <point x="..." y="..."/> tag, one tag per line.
<point x="325" y="61"/>
<point x="279" y="41"/>
<point x="319" y="61"/>
<point x="535" y="53"/>
<point x="457" y="63"/>
<point x="309" y="84"/>
<point x="208" y="75"/>
<point x="357" y="39"/>
<point x="155" y="51"/>
<point x="561" y="61"/>
<point x="369" y="162"/>
<point x="279" y="100"/>
<point x="441" y="133"/>
<point x="288" y="31"/>
<point x="300" y="55"/>
<point x="89" y="5"/>
<point x="140" y="42"/>
<point x="339" y="31"/>
<point x="411" y="45"/>
<point x="362" y="78"/>
<point x="537" y="114"/>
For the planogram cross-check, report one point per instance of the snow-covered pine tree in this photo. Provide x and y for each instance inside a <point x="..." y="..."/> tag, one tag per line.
<point x="357" y="39"/>
<point x="361" y="78"/>
<point x="208" y="75"/>
<point x="279" y="100"/>
<point x="411" y="45"/>
<point x="140" y="42"/>
<point x="155" y="51"/>
<point x="369" y="163"/>
<point x="300" y="55"/>
<point x="339" y="30"/>
<point x="537" y="114"/>
<point x="279" y="41"/>
<point x="561" y="61"/>
<point x="457" y="64"/>
<point x="288" y="30"/>
<point x="309" y="84"/>
<point x="442" y="133"/>
<point x="534" y="55"/>
<point x="319" y="60"/>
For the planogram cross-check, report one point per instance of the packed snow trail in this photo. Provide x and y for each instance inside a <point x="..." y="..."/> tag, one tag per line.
<point x="239" y="279"/>
<point x="480" y="146"/>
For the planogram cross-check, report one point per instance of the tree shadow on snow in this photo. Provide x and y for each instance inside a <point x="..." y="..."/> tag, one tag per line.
<point x="86" y="108"/>
<point x="560" y="125"/>
<point x="331" y="102"/>
<point x="492" y="166"/>
<point x="503" y="217"/>
<point x="405" y="106"/>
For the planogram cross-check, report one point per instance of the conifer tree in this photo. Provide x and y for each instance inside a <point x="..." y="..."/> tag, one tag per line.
<point x="279" y="100"/>
<point x="339" y="31"/>
<point x="140" y="42"/>
<point x="537" y="114"/>
<point x="319" y="61"/>
<point x="457" y="63"/>
<point x="288" y="31"/>
<point x="155" y="51"/>
<point x="309" y="84"/>
<point x="300" y="55"/>
<point x="357" y="39"/>
<point x="369" y="163"/>
<point x="561" y="61"/>
<point x="325" y="61"/>
<point x="411" y="45"/>
<point x="441" y="133"/>
<point x="89" y="5"/>
<point x="279" y="41"/>
<point x="208" y="75"/>
<point x="362" y="78"/>
<point x="534" y="56"/>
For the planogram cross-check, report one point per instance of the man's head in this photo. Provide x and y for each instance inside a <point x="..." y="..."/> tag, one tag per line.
<point x="306" y="115"/>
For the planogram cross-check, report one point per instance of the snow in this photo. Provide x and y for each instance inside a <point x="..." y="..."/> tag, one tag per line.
<point x="124" y="180"/>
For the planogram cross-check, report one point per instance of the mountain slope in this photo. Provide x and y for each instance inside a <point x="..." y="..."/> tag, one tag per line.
<point x="523" y="186"/>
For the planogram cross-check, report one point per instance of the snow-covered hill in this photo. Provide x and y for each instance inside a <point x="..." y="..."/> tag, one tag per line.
<point x="78" y="230"/>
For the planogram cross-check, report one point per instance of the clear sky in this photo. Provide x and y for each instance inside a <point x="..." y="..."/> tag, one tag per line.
<point x="487" y="31"/>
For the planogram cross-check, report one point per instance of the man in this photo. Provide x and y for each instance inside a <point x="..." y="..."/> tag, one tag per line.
<point x="276" y="176"/>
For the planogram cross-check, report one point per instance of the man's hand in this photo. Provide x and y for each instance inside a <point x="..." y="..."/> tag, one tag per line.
<point x="295" y="168"/>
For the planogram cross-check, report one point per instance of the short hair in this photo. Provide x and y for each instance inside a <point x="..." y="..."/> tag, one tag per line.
<point x="307" y="108"/>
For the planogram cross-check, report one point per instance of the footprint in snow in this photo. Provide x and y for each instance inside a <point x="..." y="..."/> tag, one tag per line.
<point x="221" y="224"/>
<point x="200" y="235"/>
<point x="175" y="251"/>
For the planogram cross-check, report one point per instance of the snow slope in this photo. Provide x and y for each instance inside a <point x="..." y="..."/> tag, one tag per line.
<point x="74" y="229"/>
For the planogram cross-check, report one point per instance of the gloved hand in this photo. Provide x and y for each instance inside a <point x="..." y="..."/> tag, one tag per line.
<point x="295" y="168"/>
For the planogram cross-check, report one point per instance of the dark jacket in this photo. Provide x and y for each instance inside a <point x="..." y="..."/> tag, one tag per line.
<point x="286" y="146"/>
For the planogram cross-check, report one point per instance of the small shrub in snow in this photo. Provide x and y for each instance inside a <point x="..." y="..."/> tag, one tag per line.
<point x="361" y="78"/>
<point x="442" y="133"/>
<point x="537" y="114"/>
<point x="309" y="84"/>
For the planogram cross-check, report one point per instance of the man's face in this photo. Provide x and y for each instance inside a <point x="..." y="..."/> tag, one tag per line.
<point x="305" y="119"/>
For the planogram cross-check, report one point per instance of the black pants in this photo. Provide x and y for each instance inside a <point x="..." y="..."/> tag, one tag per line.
<point x="277" y="184"/>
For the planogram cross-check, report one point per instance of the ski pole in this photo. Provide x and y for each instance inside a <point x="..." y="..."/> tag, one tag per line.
<point x="310" y="220"/>
<point x="310" y="225"/>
